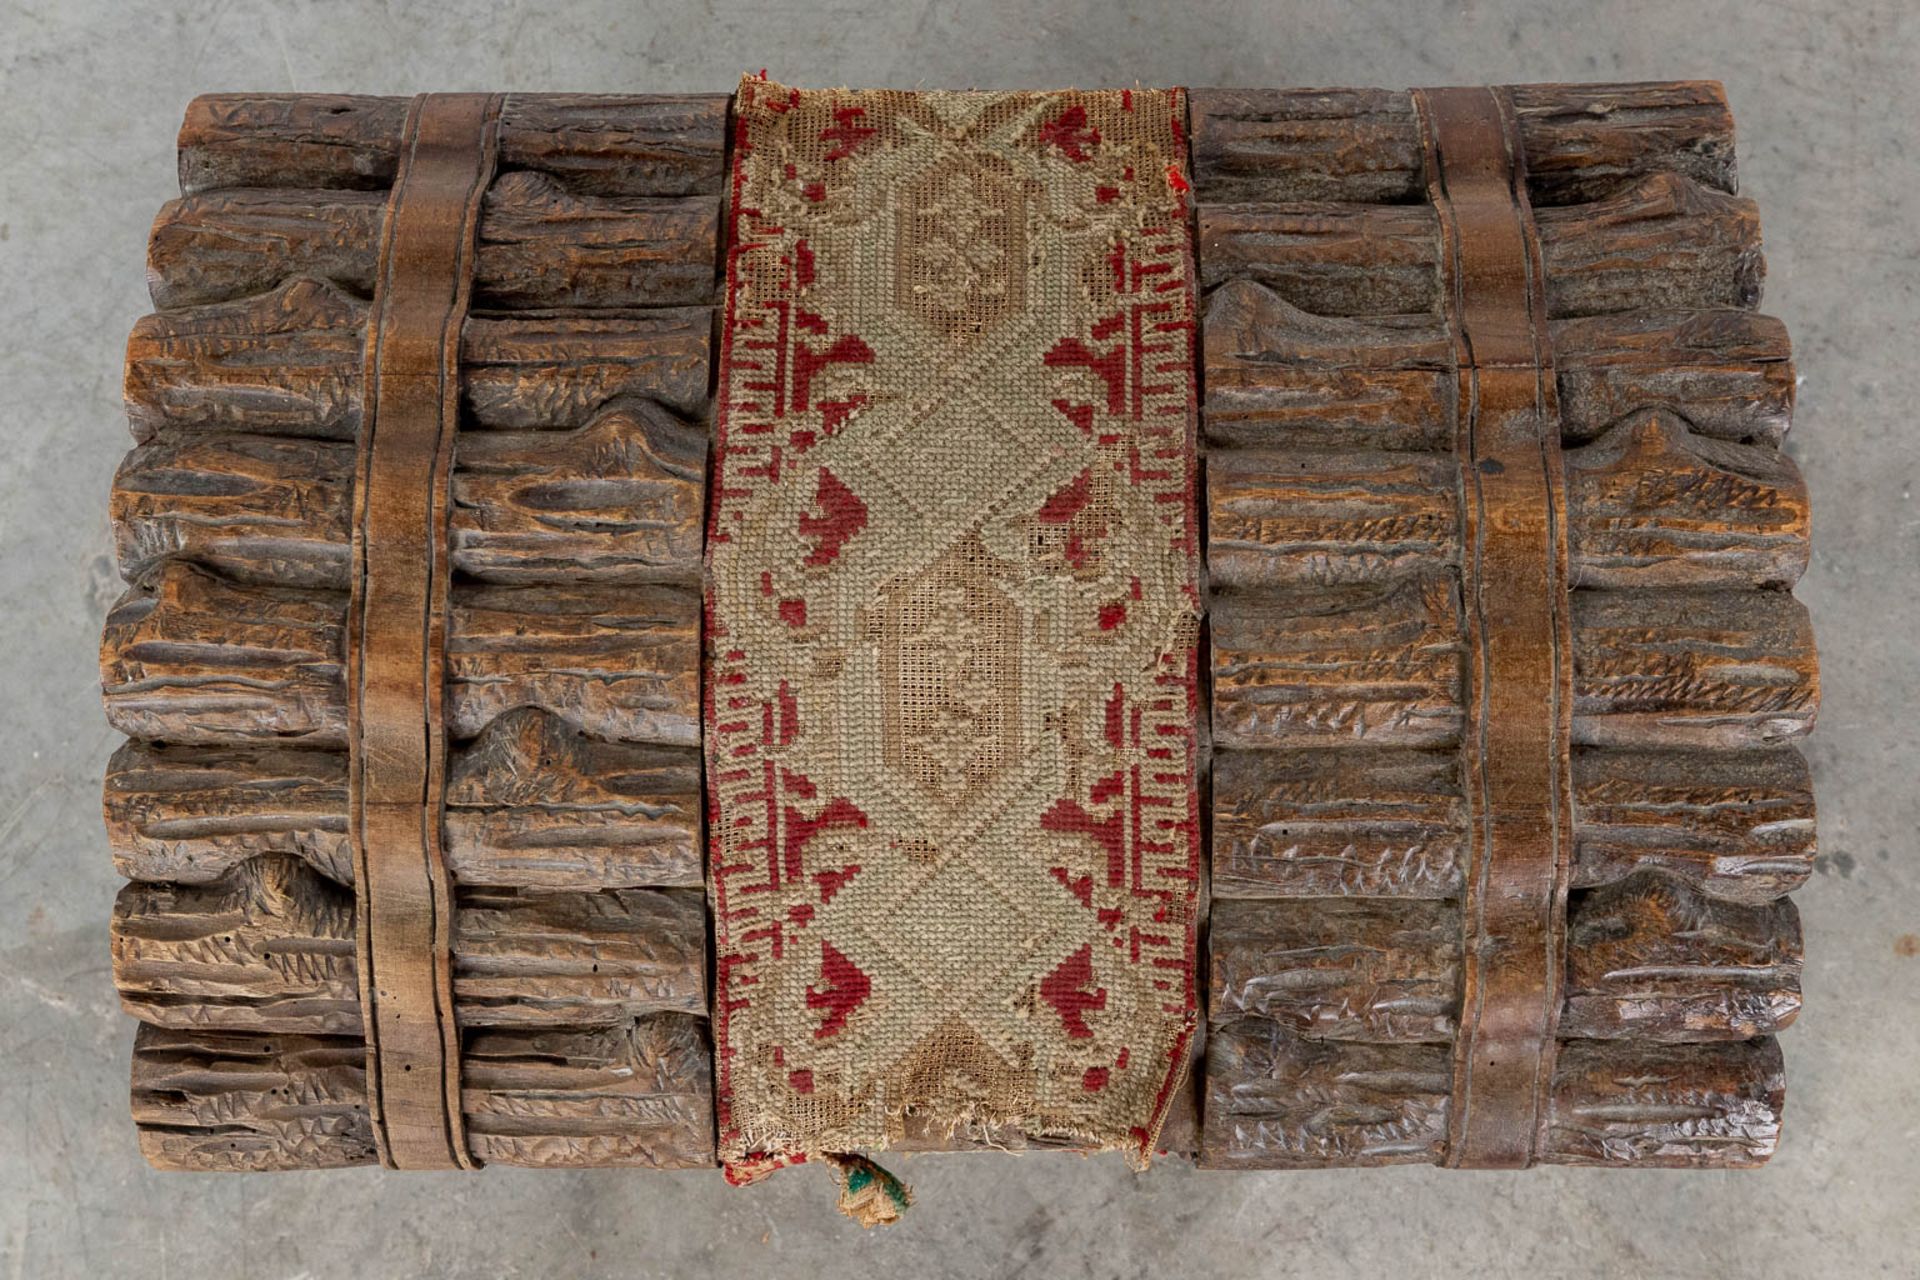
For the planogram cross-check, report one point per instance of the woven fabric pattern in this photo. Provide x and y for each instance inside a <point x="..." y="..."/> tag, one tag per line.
<point x="953" y="610"/>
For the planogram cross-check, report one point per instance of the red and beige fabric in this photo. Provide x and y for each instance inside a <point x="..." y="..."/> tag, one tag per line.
<point x="952" y="621"/>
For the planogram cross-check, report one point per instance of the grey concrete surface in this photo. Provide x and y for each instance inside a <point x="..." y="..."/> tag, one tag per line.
<point x="90" y="95"/>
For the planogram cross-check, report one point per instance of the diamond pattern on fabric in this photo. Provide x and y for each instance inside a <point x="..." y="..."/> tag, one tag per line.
<point x="953" y="611"/>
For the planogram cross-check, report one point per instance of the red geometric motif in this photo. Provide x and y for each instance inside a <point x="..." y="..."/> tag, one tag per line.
<point x="803" y="832"/>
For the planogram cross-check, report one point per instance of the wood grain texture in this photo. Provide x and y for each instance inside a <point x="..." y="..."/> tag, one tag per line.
<point x="533" y="801"/>
<point x="1652" y="960"/>
<point x="1281" y="377"/>
<point x="269" y="947"/>
<point x="1693" y="1106"/>
<point x="1379" y="665"/>
<point x="637" y="1095"/>
<point x="618" y="500"/>
<point x="1736" y="824"/>
<point x="574" y="818"/>
<point x="191" y="814"/>
<point x="618" y="662"/>
<point x="215" y="1102"/>
<point x="196" y="659"/>
<point x="539" y="246"/>
<point x="528" y="958"/>
<point x="288" y="362"/>
<point x="1329" y="824"/>
<point x="1277" y="1101"/>
<point x="1720" y="669"/>
<point x="1338" y="969"/>
<point x="1580" y="141"/>
<point x="1666" y="243"/>
<point x="1648" y="959"/>
<point x="1391" y="823"/>
<point x="642" y="145"/>
<point x="1649" y="504"/>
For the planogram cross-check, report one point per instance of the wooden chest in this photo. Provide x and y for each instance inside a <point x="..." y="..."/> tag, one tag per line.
<point x="1457" y="873"/>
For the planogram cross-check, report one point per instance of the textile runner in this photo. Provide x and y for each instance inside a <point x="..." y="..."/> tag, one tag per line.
<point x="953" y="610"/>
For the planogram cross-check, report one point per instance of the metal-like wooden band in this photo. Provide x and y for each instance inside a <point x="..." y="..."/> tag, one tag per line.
<point x="1513" y="580"/>
<point x="397" y="629"/>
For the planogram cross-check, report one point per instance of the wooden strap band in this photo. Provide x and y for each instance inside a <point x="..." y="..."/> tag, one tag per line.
<point x="1513" y="581"/>
<point x="397" y="629"/>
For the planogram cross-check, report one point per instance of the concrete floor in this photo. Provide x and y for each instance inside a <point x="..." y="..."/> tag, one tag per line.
<point x="91" y="92"/>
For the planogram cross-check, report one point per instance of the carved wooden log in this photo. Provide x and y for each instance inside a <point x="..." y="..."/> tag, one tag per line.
<point x="572" y="818"/>
<point x="1280" y="377"/>
<point x="200" y="660"/>
<point x="210" y="1101"/>
<point x="638" y="1094"/>
<point x="1691" y="668"/>
<point x="1381" y="664"/>
<point x="535" y="802"/>
<point x="1348" y="664"/>
<point x="191" y="814"/>
<point x="1343" y="827"/>
<point x="540" y="245"/>
<point x="1648" y="504"/>
<point x="1392" y="823"/>
<point x="288" y="362"/>
<point x="658" y="145"/>
<point x="531" y="801"/>
<point x="618" y="500"/>
<point x="270" y="947"/>
<point x="1363" y="145"/>
<point x="1278" y="1101"/>
<point x="1647" y="959"/>
<point x="1667" y="243"/>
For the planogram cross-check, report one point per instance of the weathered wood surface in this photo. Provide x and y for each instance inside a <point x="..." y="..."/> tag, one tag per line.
<point x="1647" y="959"/>
<point x="1649" y="504"/>
<point x="532" y="801"/>
<point x="191" y="814"/>
<point x="267" y="947"/>
<point x="210" y="1101"/>
<point x="1337" y="969"/>
<point x="1363" y="145"/>
<point x="1738" y="824"/>
<point x="1392" y="823"/>
<point x="1711" y="669"/>
<point x="618" y="500"/>
<point x="638" y="1094"/>
<point x="1281" y="377"/>
<point x="618" y="662"/>
<point x="1381" y="664"/>
<point x="572" y="825"/>
<point x="539" y="246"/>
<point x="288" y="362"/>
<point x="270" y="947"/>
<point x="643" y="145"/>
<point x="1278" y="1101"/>
<point x="1332" y="824"/>
<point x="1666" y="243"/>
<point x="196" y="659"/>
